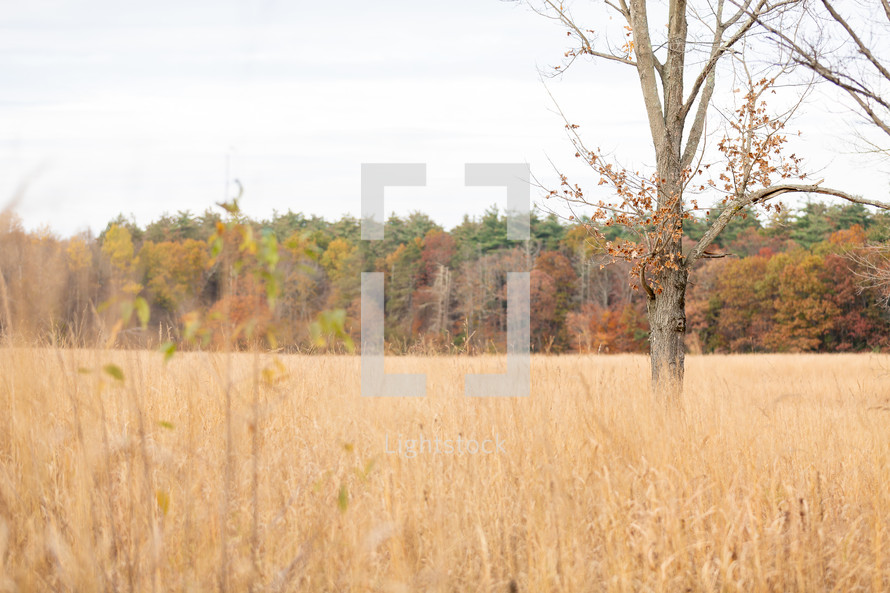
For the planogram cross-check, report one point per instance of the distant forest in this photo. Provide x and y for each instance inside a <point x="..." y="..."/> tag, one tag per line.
<point x="787" y="284"/>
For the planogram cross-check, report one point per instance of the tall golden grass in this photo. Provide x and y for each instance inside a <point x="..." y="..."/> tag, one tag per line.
<point x="134" y="477"/>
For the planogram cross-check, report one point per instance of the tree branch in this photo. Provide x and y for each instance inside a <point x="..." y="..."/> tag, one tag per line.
<point x="863" y="49"/>
<point x="717" y="50"/>
<point x="646" y="70"/>
<point x="645" y="284"/>
<point x="612" y="57"/>
<point x="586" y="46"/>
<point x="835" y="74"/>
<point x="760" y="196"/>
<point x="675" y="63"/>
<point x="621" y="7"/>
<point x="698" y="124"/>
<point x="858" y="93"/>
<point x="703" y="87"/>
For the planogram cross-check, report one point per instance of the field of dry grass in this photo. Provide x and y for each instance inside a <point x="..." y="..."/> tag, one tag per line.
<point x="774" y="477"/>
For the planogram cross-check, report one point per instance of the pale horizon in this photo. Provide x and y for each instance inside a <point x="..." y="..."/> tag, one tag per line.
<point x="109" y="110"/>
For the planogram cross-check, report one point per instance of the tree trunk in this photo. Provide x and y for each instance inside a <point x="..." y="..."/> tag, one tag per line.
<point x="667" y="304"/>
<point x="667" y="310"/>
<point x="667" y="323"/>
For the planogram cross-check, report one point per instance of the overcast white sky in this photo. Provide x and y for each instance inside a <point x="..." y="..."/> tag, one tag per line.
<point x="109" y="107"/>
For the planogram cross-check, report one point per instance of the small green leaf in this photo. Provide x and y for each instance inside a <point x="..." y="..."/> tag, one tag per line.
<point x="126" y="311"/>
<point x="343" y="498"/>
<point x="365" y="473"/>
<point x="165" y="424"/>
<point x="115" y="371"/>
<point x="192" y="324"/>
<point x="216" y="247"/>
<point x="232" y="206"/>
<point x="168" y="349"/>
<point x="268" y="253"/>
<point x="331" y="324"/>
<point x="272" y="289"/>
<point x="348" y="344"/>
<point x="163" y="501"/>
<point x="270" y="336"/>
<point x="142" y="311"/>
<point x="248" y="243"/>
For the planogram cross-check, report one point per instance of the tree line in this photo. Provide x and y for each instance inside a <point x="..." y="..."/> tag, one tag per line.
<point x="787" y="283"/>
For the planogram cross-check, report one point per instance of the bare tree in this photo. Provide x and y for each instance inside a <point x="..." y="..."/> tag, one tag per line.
<point x="677" y="70"/>
<point x="849" y="48"/>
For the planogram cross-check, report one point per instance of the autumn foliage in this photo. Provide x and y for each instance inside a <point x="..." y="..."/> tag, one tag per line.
<point x="790" y="283"/>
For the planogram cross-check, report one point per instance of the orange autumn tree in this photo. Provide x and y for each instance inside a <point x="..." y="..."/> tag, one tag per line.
<point x="677" y="68"/>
